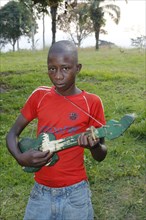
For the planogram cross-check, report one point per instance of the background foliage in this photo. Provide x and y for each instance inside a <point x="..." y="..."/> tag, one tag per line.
<point x="118" y="78"/>
<point x="15" y="21"/>
<point x="90" y="12"/>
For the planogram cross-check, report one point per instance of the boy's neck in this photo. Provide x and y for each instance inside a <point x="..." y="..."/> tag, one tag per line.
<point x="75" y="91"/>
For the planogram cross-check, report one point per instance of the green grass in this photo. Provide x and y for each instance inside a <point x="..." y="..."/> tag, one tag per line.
<point x="119" y="79"/>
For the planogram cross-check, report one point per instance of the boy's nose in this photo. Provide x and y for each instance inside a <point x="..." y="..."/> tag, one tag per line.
<point x="59" y="75"/>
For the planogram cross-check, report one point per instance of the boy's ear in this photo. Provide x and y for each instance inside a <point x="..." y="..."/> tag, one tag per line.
<point x="79" y="67"/>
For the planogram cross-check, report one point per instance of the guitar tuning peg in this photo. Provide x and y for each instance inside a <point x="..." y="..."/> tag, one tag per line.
<point x="92" y="130"/>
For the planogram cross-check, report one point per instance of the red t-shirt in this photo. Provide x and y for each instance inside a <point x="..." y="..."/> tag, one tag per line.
<point x="60" y="116"/>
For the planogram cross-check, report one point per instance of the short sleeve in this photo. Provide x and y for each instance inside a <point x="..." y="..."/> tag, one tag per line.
<point x="29" y="110"/>
<point x="97" y="112"/>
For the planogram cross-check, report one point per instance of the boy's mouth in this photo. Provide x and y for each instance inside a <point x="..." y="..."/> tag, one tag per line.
<point x="59" y="84"/>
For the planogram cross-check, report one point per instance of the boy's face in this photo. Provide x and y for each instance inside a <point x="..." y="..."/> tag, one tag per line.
<point x="62" y="70"/>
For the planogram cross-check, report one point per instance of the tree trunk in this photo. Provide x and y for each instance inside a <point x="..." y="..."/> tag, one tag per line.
<point x="32" y="31"/>
<point x="18" y="48"/>
<point x="13" y="45"/>
<point x="44" y="31"/>
<point x="32" y="37"/>
<point x="97" y="31"/>
<point x="53" y="11"/>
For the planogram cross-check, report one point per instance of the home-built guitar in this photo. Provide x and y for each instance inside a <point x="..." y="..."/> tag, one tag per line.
<point x="46" y="141"/>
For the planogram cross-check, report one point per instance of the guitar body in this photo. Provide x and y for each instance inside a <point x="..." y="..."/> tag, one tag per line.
<point x="27" y="144"/>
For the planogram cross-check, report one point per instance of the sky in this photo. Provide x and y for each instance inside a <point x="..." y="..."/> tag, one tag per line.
<point x="132" y="24"/>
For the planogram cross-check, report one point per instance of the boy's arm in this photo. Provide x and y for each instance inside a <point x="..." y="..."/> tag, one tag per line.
<point x="13" y="135"/>
<point x="29" y="158"/>
<point x="97" y="147"/>
<point x="99" y="150"/>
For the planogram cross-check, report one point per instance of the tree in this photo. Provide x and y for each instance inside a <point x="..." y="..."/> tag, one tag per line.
<point x="32" y="17"/>
<point x="97" y="15"/>
<point x="14" y="22"/>
<point x="53" y="4"/>
<point x="76" y="22"/>
<point x="139" y="42"/>
<point x="97" y="12"/>
<point x="3" y="42"/>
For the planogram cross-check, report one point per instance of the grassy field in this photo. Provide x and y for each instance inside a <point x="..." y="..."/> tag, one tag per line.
<point x="119" y="79"/>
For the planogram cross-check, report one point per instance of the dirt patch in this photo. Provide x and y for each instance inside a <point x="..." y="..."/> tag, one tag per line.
<point x="4" y="88"/>
<point x="14" y="72"/>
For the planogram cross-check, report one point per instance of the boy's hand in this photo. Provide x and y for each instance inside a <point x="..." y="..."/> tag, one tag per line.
<point x="34" y="158"/>
<point x="96" y="146"/>
<point x="87" y="141"/>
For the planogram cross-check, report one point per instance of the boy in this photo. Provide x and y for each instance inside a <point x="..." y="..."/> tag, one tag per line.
<point x="61" y="191"/>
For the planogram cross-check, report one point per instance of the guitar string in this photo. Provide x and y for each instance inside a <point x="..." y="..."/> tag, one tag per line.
<point x="86" y="113"/>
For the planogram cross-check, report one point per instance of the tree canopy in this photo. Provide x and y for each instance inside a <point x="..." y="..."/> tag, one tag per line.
<point x="15" y="21"/>
<point x="95" y="13"/>
<point x="76" y="23"/>
<point x="85" y="21"/>
<point x="53" y="4"/>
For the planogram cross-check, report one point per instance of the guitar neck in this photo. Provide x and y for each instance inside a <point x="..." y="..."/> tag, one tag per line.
<point x="64" y="143"/>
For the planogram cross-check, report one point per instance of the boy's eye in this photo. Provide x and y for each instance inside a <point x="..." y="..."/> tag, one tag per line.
<point x="65" y="68"/>
<point x="51" y="69"/>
